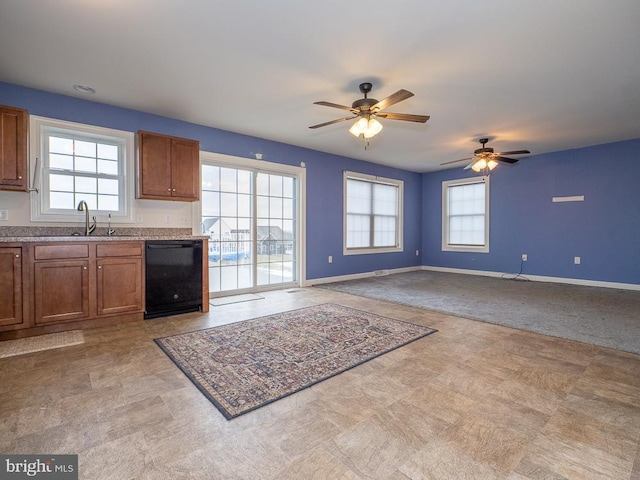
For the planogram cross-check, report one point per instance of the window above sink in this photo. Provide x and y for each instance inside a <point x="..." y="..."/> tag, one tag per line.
<point x="81" y="162"/>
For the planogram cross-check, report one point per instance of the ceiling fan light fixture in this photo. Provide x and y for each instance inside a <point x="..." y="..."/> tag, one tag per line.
<point x="367" y="127"/>
<point x="374" y="128"/>
<point x="484" y="162"/>
<point x="359" y="127"/>
<point x="479" y="165"/>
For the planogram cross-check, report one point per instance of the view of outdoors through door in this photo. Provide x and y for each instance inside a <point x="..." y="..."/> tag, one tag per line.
<point x="249" y="217"/>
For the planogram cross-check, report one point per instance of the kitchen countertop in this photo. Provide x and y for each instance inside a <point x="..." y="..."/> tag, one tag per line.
<point x="96" y="238"/>
<point x="69" y="234"/>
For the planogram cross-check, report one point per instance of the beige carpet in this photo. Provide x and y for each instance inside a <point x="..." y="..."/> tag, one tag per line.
<point x="600" y="316"/>
<point x="21" y="346"/>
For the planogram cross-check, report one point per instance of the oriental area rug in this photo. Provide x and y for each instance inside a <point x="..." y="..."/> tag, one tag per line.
<point x="243" y="366"/>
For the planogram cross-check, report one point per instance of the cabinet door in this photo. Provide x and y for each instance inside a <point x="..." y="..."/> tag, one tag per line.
<point x="154" y="169"/>
<point x="13" y="148"/>
<point x="61" y="291"/>
<point x="119" y="285"/>
<point x="185" y="169"/>
<point x="10" y="286"/>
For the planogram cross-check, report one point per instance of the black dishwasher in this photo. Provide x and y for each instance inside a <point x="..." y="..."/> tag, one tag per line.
<point x="173" y="277"/>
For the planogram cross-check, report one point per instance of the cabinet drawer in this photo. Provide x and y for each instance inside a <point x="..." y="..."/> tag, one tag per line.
<point x="49" y="252"/>
<point x="127" y="249"/>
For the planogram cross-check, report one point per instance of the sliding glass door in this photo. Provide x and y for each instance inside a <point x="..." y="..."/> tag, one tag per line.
<point x="275" y="229"/>
<point x="250" y="217"/>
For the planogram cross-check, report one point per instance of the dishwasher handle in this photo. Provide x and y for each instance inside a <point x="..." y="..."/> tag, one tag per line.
<point x="189" y="245"/>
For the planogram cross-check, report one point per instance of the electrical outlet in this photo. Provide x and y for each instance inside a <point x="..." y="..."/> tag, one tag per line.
<point x="184" y="220"/>
<point x="4" y="215"/>
<point x="139" y="218"/>
<point x="576" y="260"/>
<point x="167" y="219"/>
<point x="417" y="253"/>
<point x="330" y="259"/>
<point x="524" y="257"/>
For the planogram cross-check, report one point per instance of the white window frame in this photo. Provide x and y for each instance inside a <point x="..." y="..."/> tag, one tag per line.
<point x="399" y="247"/>
<point x="39" y="128"/>
<point x="446" y="246"/>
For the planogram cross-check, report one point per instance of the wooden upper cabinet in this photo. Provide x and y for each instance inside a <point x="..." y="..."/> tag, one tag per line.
<point x="185" y="168"/>
<point x="13" y="148"/>
<point x="168" y="168"/>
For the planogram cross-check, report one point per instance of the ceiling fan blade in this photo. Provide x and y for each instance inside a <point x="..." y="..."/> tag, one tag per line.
<point x="456" y="161"/>
<point x="515" y="152"/>
<point x="392" y="100"/>
<point x="507" y="160"/>
<point x="403" y="116"/>
<point x="332" y="122"/>
<point x="469" y="166"/>
<point x="334" y="105"/>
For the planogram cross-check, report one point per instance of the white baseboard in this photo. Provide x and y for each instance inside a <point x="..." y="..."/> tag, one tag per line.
<point x="538" y="278"/>
<point x="353" y="276"/>
<point x="485" y="273"/>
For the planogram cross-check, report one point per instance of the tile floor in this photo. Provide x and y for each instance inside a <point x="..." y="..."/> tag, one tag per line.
<point x="472" y="401"/>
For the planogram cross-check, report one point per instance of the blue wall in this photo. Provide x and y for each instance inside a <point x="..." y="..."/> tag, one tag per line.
<point x="324" y="174"/>
<point x="604" y="230"/>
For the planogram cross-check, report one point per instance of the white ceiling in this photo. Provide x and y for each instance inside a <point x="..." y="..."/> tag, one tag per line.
<point x="544" y="75"/>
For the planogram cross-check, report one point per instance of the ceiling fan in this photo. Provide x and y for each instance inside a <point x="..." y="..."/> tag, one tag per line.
<point x="485" y="158"/>
<point x="366" y="109"/>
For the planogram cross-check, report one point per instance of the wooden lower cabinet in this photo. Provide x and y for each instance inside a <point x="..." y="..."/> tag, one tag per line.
<point x="74" y="282"/>
<point x="11" y="311"/>
<point x="119" y="285"/>
<point x="61" y="291"/>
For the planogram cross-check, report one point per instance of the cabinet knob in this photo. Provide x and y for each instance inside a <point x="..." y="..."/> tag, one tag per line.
<point x="168" y="189"/>
<point x="17" y="255"/>
<point x="173" y="190"/>
<point x="99" y="267"/>
<point x="84" y="268"/>
<point x="19" y="177"/>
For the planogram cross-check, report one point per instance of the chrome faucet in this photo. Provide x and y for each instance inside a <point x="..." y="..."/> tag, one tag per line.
<point x="110" y="231"/>
<point x="83" y="207"/>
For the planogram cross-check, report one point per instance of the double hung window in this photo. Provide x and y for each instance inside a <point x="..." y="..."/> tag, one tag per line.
<point x="372" y="214"/>
<point x="465" y="215"/>
<point x="81" y="162"/>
